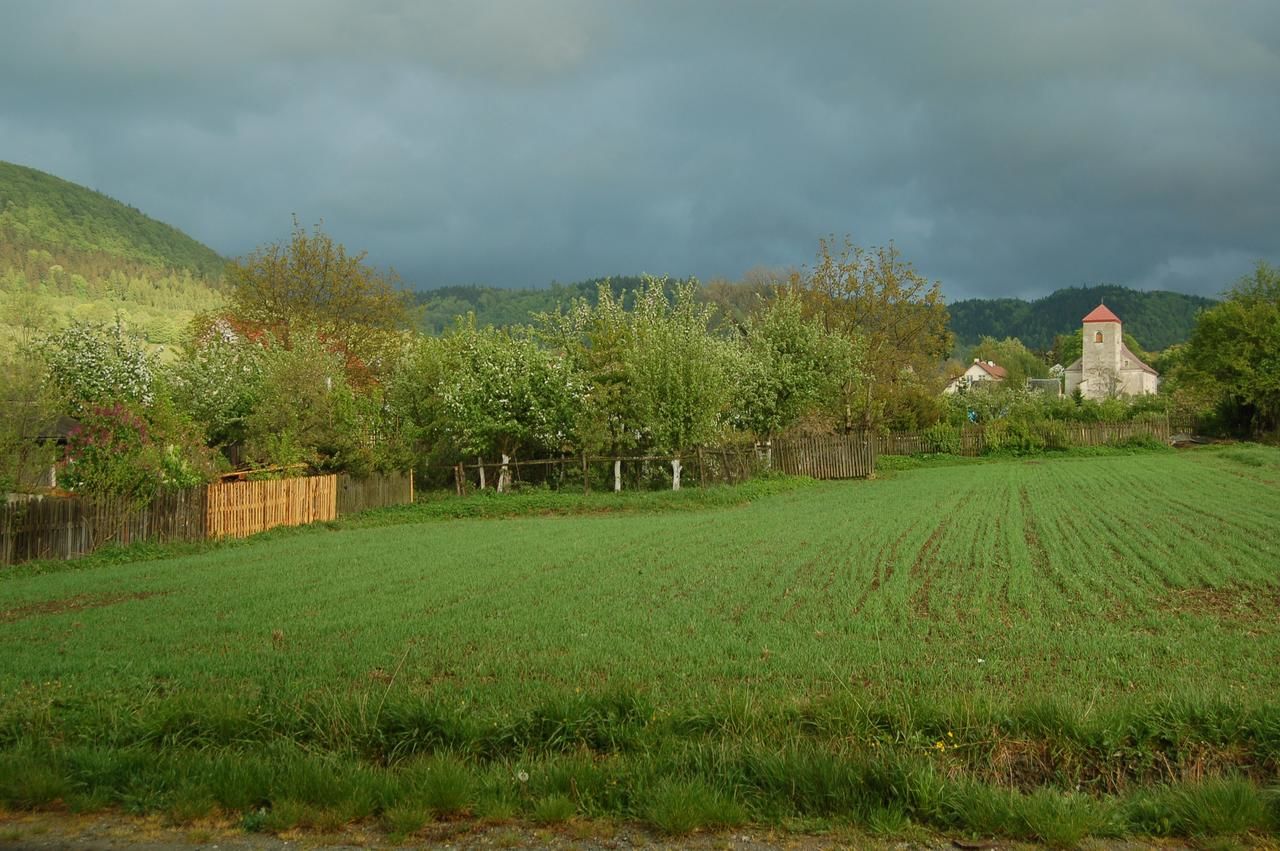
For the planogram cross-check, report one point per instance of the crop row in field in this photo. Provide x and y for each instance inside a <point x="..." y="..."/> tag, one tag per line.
<point x="1011" y="629"/>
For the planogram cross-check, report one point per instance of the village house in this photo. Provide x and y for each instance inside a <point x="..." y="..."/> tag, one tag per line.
<point x="979" y="371"/>
<point x="1107" y="369"/>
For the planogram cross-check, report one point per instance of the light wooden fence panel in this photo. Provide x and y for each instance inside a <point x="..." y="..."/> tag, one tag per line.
<point x="240" y="509"/>
<point x="843" y="457"/>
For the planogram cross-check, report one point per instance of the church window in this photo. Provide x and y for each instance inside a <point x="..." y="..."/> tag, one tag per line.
<point x="1097" y="338"/>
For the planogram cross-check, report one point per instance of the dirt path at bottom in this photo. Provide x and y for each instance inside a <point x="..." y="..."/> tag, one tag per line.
<point x="105" y="831"/>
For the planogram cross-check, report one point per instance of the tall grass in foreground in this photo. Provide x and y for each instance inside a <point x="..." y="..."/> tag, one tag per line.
<point x="674" y="790"/>
<point x="1043" y="774"/>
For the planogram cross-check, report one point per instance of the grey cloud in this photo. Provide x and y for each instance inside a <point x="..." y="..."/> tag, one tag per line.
<point x="1007" y="147"/>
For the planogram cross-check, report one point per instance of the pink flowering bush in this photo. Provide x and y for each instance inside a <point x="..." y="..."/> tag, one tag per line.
<point x="111" y="453"/>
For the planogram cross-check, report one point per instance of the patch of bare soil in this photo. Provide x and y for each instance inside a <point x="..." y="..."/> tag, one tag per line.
<point x="78" y="603"/>
<point x="109" y="831"/>
<point x="1230" y="603"/>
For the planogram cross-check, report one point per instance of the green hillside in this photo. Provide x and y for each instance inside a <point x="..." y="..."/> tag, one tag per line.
<point x="41" y="208"/>
<point x="1157" y="319"/>
<point x="69" y="253"/>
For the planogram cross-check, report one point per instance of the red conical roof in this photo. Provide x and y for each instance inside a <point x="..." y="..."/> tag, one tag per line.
<point x="1101" y="314"/>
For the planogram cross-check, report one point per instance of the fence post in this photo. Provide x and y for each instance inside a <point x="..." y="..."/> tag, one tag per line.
<point x="702" y="469"/>
<point x="586" y="475"/>
<point x="458" y="474"/>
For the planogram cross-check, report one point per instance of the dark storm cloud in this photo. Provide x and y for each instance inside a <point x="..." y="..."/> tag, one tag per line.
<point x="1007" y="147"/>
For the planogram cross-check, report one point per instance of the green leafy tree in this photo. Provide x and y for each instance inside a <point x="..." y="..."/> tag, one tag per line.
<point x="875" y="297"/>
<point x="93" y="364"/>
<point x="414" y="399"/>
<point x="111" y="454"/>
<point x="29" y="408"/>
<point x="217" y="382"/>
<point x="1234" y="351"/>
<point x="789" y="366"/>
<point x="306" y="414"/>
<point x="1067" y="348"/>
<point x="678" y="372"/>
<point x="596" y="340"/>
<point x="312" y="286"/>
<point x="29" y="400"/>
<point x="502" y="393"/>
<point x="1019" y="361"/>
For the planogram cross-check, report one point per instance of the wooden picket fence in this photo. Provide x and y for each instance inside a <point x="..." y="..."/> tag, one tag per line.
<point x="241" y="509"/>
<point x="70" y="527"/>
<point x="850" y="456"/>
<point x="923" y="443"/>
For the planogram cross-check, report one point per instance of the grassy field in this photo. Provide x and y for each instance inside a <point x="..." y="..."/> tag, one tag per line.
<point x="1045" y="649"/>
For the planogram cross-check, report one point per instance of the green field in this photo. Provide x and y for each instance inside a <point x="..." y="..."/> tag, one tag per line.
<point x="1045" y="648"/>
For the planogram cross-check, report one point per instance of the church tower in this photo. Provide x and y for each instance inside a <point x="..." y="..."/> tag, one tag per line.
<point x="1106" y="367"/>
<point x="1101" y="357"/>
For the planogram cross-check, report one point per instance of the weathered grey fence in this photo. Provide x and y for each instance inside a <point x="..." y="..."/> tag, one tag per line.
<point x="66" y="528"/>
<point x="361" y="494"/>
<point x="851" y="456"/>
<point x="70" y="527"/>
<point x="1054" y="434"/>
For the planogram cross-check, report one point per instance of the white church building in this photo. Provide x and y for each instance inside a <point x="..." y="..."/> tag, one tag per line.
<point x="1107" y="368"/>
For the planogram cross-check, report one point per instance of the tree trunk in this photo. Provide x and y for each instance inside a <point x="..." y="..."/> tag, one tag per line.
<point x="504" y="475"/>
<point x="617" y="475"/>
<point x="675" y="474"/>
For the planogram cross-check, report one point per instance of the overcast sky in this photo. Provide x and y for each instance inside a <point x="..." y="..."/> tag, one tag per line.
<point x="1008" y="148"/>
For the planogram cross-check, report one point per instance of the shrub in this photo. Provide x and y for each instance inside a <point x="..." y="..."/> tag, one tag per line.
<point x="94" y="365"/>
<point x="111" y="454"/>
<point x="944" y="438"/>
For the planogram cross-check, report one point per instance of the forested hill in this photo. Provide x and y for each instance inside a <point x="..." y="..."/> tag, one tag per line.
<point x="1156" y="319"/>
<point x="68" y="253"/>
<point x="57" y="215"/>
<point x="505" y="308"/>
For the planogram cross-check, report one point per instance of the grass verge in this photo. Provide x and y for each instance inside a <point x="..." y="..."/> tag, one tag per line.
<point x="1185" y="770"/>
<point x="442" y="506"/>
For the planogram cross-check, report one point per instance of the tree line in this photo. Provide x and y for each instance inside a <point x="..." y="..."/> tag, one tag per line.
<point x="314" y="363"/>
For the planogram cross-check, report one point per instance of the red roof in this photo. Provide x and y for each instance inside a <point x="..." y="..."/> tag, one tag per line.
<point x="993" y="370"/>
<point x="1101" y="314"/>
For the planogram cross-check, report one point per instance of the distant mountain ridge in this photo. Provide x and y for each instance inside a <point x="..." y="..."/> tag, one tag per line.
<point x="40" y="208"/>
<point x="1156" y="318"/>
